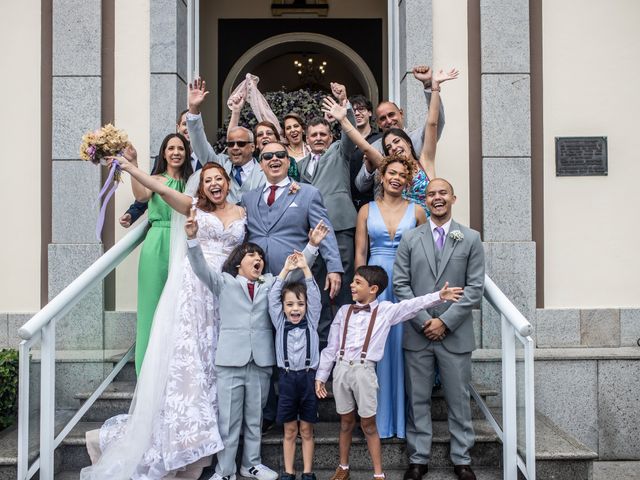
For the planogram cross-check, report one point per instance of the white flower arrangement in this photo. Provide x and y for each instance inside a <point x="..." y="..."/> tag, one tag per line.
<point x="456" y="235"/>
<point x="260" y="279"/>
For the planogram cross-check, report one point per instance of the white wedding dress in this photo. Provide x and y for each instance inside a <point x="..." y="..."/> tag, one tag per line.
<point x="182" y="426"/>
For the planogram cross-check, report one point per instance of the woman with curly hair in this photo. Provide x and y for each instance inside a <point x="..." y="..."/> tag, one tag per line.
<point x="395" y="141"/>
<point x="380" y="226"/>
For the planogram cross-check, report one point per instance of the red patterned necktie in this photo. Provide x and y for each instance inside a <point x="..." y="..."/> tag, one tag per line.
<point x="272" y="194"/>
<point x="250" y="287"/>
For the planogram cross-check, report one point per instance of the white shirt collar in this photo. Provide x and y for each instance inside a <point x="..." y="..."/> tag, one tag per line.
<point x="282" y="183"/>
<point x="446" y="226"/>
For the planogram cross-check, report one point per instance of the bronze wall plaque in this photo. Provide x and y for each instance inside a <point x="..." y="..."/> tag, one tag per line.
<point x="581" y="156"/>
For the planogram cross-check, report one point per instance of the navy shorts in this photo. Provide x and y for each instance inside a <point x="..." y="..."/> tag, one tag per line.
<point x="297" y="396"/>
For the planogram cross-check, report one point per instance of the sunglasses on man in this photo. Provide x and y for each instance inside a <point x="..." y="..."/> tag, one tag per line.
<point x="269" y="155"/>
<point x="239" y="143"/>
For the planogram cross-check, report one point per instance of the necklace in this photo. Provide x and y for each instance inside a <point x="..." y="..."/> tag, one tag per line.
<point x="295" y="153"/>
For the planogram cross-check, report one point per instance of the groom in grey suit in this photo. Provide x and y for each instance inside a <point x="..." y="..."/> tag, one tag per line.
<point x="437" y="252"/>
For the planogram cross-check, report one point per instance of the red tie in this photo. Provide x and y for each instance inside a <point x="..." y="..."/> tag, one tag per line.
<point x="272" y="194"/>
<point x="250" y="286"/>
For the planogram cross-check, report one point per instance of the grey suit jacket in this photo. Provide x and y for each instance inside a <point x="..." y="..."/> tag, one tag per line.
<point x="333" y="178"/>
<point x="245" y="325"/>
<point x="293" y="215"/>
<point x="205" y="153"/>
<point x="415" y="273"/>
<point x="363" y="182"/>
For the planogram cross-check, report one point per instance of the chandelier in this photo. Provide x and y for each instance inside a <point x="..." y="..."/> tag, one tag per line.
<point x="310" y="70"/>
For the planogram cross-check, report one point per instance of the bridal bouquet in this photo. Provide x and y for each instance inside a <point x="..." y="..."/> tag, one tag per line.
<point x="96" y="147"/>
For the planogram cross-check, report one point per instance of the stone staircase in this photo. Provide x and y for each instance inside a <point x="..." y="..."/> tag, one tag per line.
<point x="559" y="456"/>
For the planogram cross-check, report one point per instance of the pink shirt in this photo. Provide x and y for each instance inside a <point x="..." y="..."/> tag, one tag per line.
<point x="389" y="314"/>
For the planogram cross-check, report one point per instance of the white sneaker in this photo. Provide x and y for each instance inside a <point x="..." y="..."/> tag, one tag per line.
<point x="259" y="472"/>
<point x="217" y="476"/>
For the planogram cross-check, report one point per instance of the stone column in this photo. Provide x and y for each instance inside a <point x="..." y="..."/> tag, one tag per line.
<point x="416" y="48"/>
<point x="168" y="67"/>
<point x="506" y="158"/>
<point x="76" y="105"/>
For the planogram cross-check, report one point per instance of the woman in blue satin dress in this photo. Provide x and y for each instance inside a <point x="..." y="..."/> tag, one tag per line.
<point x="379" y="230"/>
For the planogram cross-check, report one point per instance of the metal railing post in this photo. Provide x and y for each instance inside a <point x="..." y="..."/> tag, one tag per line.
<point x="509" y="416"/>
<point x="530" y="408"/>
<point x="47" y="399"/>
<point x="23" y="410"/>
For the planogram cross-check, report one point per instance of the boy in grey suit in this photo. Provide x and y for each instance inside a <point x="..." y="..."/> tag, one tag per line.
<point x="437" y="252"/>
<point x="245" y="353"/>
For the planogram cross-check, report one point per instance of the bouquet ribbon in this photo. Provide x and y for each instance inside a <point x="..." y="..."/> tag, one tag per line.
<point x="112" y="182"/>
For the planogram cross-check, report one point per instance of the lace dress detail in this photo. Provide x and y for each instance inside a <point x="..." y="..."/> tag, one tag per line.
<point x="187" y="428"/>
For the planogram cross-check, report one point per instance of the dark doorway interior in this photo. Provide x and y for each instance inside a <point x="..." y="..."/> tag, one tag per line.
<point x="277" y="69"/>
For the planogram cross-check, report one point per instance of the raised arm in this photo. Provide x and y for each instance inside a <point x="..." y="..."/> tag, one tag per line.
<point x="207" y="275"/>
<point x="198" y="138"/>
<point x="362" y="237"/>
<point x="428" y="152"/>
<point x="146" y="185"/>
<point x="235" y="104"/>
<point x="330" y="106"/>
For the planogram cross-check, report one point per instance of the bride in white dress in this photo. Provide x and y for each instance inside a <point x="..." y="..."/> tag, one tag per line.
<point x="172" y="429"/>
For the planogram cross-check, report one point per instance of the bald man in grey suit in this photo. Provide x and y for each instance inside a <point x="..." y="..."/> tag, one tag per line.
<point x="437" y="252"/>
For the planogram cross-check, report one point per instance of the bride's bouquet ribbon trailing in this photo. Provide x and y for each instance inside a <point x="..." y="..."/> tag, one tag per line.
<point x="248" y="89"/>
<point x="113" y="182"/>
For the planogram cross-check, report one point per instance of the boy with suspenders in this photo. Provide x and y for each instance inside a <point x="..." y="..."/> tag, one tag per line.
<point x="356" y="342"/>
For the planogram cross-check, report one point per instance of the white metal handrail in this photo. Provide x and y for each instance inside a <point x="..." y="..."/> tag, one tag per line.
<point x="42" y="326"/>
<point x="514" y="327"/>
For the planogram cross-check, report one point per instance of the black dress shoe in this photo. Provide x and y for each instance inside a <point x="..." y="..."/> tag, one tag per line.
<point x="464" y="472"/>
<point x="416" y="471"/>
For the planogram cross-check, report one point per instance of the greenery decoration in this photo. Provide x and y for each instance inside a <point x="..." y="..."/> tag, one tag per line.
<point x="305" y="102"/>
<point x="8" y="387"/>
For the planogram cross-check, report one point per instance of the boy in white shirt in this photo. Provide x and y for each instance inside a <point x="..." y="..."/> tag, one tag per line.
<point x="356" y="342"/>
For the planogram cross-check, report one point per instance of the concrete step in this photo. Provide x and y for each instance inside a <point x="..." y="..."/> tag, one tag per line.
<point x="482" y="473"/>
<point x="117" y="399"/>
<point x="487" y="451"/>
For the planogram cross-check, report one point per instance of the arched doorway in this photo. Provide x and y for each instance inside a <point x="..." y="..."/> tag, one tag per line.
<point x="273" y="61"/>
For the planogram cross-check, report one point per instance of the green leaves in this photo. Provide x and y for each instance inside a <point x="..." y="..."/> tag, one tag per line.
<point x="8" y="387"/>
<point x="306" y="103"/>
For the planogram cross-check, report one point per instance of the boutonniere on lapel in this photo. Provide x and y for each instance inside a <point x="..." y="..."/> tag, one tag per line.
<point x="456" y="235"/>
<point x="260" y="279"/>
<point x="293" y="188"/>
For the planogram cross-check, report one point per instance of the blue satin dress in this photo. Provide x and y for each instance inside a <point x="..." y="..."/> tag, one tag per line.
<point x="390" y="417"/>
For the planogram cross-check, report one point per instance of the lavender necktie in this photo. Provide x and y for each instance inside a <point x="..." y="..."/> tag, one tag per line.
<point x="440" y="240"/>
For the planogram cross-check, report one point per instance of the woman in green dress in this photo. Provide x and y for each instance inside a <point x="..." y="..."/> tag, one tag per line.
<point x="172" y="168"/>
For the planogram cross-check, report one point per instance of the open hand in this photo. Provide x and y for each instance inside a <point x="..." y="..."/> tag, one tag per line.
<point x="340" y="92"/>
<point x="452" y="294"/>
<point x="318" y="234"/>
<point x="291" y="263"/>
<point x="423" y="73"/>
<point x="191" y="225"/>
<point x="331" y="107"/>
<point x="197" y="93"/>
<point x="321" y="390"/>
<point x="442" y="76"/>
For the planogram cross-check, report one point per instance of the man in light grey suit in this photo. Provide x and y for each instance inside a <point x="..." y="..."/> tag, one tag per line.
<point x="244" y="171"/>
<point x="437" y="252"/>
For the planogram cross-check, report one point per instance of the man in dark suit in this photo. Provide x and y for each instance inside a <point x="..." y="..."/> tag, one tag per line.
<point x="429" y="256"/>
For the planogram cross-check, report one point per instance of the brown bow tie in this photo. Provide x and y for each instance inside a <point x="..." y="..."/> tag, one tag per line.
<point x="361" y="308"/>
